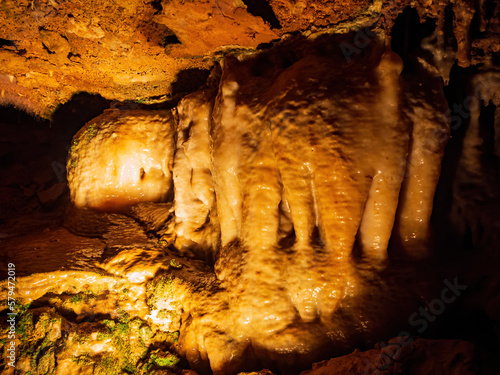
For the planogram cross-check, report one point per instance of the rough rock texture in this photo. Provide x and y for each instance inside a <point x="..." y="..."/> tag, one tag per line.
<point x="403" y="355"/>
<point x="295" y="172"/>
<point x="203" y="27"/>
<point x="50" y="50"/>
<point x="149" y="51"/>
<point x="280" y="188"/>
<point x="302" y="15"/>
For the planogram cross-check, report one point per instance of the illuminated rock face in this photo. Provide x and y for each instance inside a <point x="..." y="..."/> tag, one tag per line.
<point x="280" y="176"/>
<point x="196" y="225"/>
<point x="122" y="158"/>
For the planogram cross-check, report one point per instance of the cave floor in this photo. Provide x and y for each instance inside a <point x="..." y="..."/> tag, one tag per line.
<point x="37" y="244"/>
<point x="45" y="253"/>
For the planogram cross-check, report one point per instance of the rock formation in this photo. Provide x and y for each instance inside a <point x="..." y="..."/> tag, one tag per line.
<point x="277" y="177"/>
<point x="265" y="190"/>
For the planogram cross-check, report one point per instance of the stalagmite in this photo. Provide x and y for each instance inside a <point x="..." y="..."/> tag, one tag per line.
<point x="247" y="180"/>
<point x="475" y="191"/>
<point x="426" y="108"/>
<point x="380" y="207"/>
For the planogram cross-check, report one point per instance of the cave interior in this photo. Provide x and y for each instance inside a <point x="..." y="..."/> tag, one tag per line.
<point x="322" y="197"/>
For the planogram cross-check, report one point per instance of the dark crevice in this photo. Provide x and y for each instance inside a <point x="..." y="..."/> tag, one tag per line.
<point x="6" y="42"/>
<point x="71" y="116"/>
<point x="408" y="32"/>
<point x="186" y="133"/>
<point x="71" y="54"/>
<point x="169" y="39"/>
<point x="487" y="128"/>
<point x="261" y="8"/>
<point x="495" y="58"/>
<point x="47" y="49"/>
<point x="474" y="30"/>
<point x="157" y="33"/>
<point x="489" y="8"/>
<point x="190" y="80"/>
<point x="156" y="4"/>
<point x="11" y="115"/>
<point x="266" y="45"/>
<point x="449" y="34"/>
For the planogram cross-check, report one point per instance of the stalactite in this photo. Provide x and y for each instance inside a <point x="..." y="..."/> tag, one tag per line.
<point x="297" y="167"/>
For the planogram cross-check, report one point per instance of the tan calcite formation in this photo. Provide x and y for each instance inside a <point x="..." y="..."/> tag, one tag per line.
<point x="305" y="155"/>
<point x="122" y="158"/>
<point x="325" y="153"/>
<point x="281" y="174"/>
<point x="197" y="228"/>
<point x="427" y="108"/>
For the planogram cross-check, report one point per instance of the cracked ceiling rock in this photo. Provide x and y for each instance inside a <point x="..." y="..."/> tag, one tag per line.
<point x="134" y="50"/>
<point x="202" y="26"/>
<point x="301" y="14"/>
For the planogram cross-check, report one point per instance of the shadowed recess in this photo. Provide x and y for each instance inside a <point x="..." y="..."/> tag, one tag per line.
<point x="189" y="80"/>
<point x="261" y="8"/>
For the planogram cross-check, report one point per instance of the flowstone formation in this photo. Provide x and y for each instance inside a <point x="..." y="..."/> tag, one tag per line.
<point x="141" y="148"/>
<point x="291" y="177"/>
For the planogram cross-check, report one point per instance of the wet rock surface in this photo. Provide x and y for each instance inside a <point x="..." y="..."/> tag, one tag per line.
<point x="405" y="356"/>
<point x="294" y="203"/>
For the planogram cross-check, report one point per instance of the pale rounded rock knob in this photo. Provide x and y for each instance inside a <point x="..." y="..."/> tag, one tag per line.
<point x="122" y="158"/>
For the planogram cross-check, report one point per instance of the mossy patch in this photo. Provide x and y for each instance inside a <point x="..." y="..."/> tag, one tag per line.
<point x="82" y="297"/>
<point x="175" y="264"/>
<point x="158" y="360"/>
<point x="39" y="332"/>
<point x="83" y="360"/>
<point x="161" y="290"/>
<point x="162" y="359"/>
<point x="130" y="340"/>
<point x="118" y="344"/>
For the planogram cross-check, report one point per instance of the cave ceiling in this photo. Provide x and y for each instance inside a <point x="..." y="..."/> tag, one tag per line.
<point x="150" y="51"/>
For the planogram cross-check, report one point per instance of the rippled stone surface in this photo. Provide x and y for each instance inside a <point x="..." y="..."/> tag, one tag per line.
<point x="293" y="176"/>
<point x="122" y="158"/>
